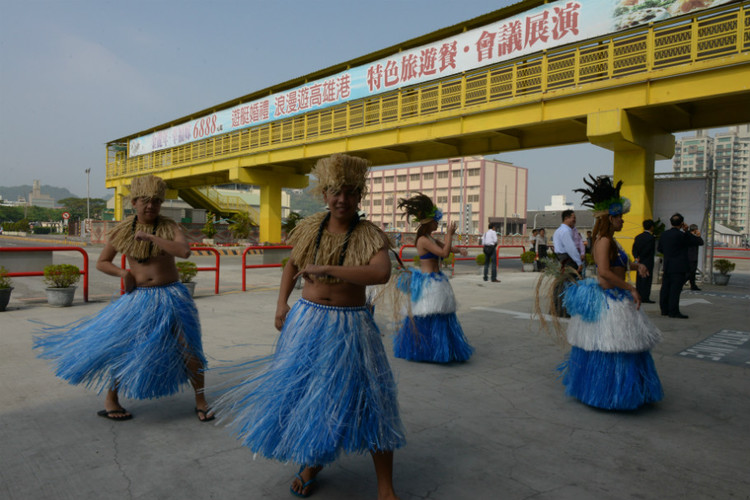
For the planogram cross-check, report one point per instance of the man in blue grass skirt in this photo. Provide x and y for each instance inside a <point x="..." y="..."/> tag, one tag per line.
<point x="147" y="343"/>
<point x="327" y="388"/>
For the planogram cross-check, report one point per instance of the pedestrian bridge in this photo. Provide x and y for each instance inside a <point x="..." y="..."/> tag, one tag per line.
<point x="627" y="92"/>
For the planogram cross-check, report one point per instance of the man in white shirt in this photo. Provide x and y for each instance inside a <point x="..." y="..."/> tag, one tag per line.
<point x="489" y="244"/>
<point x="563" y="240"/>
<point x="567" y="252"/>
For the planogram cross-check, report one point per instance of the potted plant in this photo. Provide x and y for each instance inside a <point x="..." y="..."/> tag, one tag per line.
<point x="527" y="258"/>
<point x="187" y="271"/>
<point x="209" y="229"/>
<point x="5" y="288"/>
<point x="241" y="226"/>
<point x="61" y="280"/>
<point x="724" y="267"/>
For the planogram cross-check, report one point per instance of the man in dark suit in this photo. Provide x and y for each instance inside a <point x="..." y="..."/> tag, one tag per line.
<point x="644" y="247"/>
<point x="674" y="245"/>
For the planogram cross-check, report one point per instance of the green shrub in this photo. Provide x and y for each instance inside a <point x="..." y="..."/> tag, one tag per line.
<point x="61" y="275"/>
<point x="187" y="270"/>
<point x="528" y="257"/>
<point x="5" y="281"/>
<point x="723" y="266"/>
<point x="209" y="230"/>
<point x="480" y="259"/>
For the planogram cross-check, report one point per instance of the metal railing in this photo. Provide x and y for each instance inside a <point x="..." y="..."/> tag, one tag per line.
<point x="84" y="271"/>
<point x="246" y="266"/>
<point x="719" y="32"/>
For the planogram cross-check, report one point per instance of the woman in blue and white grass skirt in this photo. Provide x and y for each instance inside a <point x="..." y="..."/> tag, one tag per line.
<point x="430" y="330"/>
<point x="610" y="364"/>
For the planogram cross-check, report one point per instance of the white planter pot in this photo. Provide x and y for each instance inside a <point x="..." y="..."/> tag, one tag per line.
<point x="721" y="279"/>
<point x="4" y="297"/>
<point x="528" y="268"/>
<point x="190" y="285"/>
<point x="61" y="297"/>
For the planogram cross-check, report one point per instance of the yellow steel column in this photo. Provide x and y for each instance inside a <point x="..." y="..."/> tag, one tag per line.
<point x="635" y="168"/>
<point x="270" y="213"/>
<point x="121" y="192"/>
<point x="636" y="145"/>
<point x="270" y="180"/>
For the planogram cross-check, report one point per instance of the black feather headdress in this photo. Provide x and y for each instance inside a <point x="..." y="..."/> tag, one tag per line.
<point x="603" y="197"/>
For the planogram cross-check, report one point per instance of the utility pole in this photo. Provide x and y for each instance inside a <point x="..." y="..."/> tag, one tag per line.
<point x="88" y="211"/>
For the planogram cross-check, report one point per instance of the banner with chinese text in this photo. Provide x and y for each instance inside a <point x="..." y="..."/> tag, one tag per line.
<point x="545" y="27"/>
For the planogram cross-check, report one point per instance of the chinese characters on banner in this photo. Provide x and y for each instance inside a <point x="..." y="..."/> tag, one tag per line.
<point x="541" y="28"/>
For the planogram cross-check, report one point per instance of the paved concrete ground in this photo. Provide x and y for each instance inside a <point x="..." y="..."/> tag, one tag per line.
<point x="498" y="426"/>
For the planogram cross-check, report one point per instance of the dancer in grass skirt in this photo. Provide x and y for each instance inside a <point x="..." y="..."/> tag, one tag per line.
<point x="147" y="343"/>
<point x="429" y="330"/>
<point x="327" y="389"/>
<point x="610" y="365"/>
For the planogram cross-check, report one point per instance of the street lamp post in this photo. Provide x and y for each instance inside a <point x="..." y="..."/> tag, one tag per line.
<point x="88" y="212"/>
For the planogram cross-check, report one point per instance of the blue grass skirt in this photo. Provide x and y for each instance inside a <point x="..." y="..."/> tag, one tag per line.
<point x="140" y="340"/>
<point x="609" y="365"/>
<point x="431" y="332"/>
<point x="327" y="389"/>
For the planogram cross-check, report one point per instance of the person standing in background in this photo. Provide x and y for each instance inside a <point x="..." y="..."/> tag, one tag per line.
<point x="489" y="247"/>
<point x="693" y="257"/>
<point x="644" y="248"/>
<point x="674" y="244"/>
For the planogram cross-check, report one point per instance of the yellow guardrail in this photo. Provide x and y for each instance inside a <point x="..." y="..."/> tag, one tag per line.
<point x="720" y="32"/>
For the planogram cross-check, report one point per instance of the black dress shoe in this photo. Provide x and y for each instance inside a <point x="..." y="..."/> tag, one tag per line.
<point x="696" y="289"/>
<point x="496" y="281"/>
<point x="680" y="316"/>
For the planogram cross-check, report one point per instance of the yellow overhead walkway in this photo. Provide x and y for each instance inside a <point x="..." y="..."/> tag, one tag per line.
<point x="216" y="202"/>
<point x="626" y="92"/>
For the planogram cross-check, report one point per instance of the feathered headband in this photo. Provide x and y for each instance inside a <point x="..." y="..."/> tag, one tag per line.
<point x="602" y="197"/>
<point x="421" y="208"/>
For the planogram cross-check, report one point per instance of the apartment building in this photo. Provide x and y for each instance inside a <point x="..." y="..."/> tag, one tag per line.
<point x="490" y="191"/>
<point x="729" y="154"/>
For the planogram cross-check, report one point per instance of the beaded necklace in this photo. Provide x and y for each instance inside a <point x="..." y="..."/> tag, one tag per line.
<point x="150" y="243"/>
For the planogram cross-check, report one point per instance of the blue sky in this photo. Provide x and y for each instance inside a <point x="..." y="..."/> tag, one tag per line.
<point x="75" y="74"/>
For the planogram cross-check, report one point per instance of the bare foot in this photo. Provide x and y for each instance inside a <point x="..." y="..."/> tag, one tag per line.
<point x="205" y="414"/>
<point x="304" y="480"/>
<point x="113" y="410"/>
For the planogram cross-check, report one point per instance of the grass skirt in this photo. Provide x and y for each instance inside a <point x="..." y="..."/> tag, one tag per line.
<point x="609" y="365"/>
<point x="327" y="389"/>
<point x="140" y="340"/>
<point x="432" y="332"/>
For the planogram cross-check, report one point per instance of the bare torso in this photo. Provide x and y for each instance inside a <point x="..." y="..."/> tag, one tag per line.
<point x="156" y="271"/>
<point x="334" y="294"/>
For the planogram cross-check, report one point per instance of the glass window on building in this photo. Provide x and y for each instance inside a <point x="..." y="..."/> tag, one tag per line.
<point x="402" y="178"/>
<point x="457" y="173"/>
<point x="389" y="179"/>
<point x="474" y="172"/>
<point x="428" y="176"/>
<point x="377" y="180"/>
<point x="443" y="174"/>
<point x="414" y="177"/>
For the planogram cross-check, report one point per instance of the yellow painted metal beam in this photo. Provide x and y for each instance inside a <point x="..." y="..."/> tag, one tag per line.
<point x="270" y="182"/>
